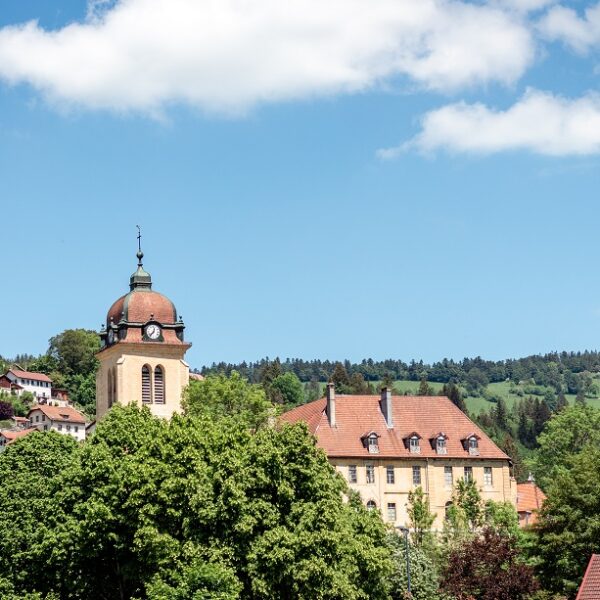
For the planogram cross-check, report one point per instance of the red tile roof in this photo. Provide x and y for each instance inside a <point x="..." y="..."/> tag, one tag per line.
<point x="590" y="586"/>
<point x="11" y="436"/>
<point x="529" y="499"/>
<point x="30" y="375"/>
<point x="426" y="415"/>
<point x="66" y="414"/>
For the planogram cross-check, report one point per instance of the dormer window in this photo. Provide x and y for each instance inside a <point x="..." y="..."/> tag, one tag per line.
<point x="440" y="445"/>
<point x="413" y="443"/>
<point x="371" y="442"/>
<point x="471" y="444"/>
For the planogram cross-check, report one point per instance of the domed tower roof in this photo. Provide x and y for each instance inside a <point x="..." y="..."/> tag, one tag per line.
<point x="142" y="315"/>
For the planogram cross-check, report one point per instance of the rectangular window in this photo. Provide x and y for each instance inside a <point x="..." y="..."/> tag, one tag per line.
<point x="59" y="427"/>
<point x="441" y="446"/>
<point x="68" y="428"/>
<point x="370" y="472"/>
<point x="448" y="482"/>
<point x="352" y="474"/>
<point x="76" y="429"/>
<point x="391" y="512"/>
<point x="416" y="475"/>
<point x="415" y="448"/>
<point x="391" y="476"/>
<point x="468" y="473"/>
<point x="45" y="427"/>
<point x="487" y="476"/>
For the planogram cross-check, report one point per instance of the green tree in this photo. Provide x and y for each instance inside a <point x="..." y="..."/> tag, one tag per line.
<point x="566" y="434"/>
<point x="466" y="497"/>
<point x="421" y="518"/>
<point x="74" y="351"/>
<point x="424" y="388"/>
<point x="569" y="522"/>
<point x="286" y="389"/>
<point x="219" y="396"/>
<point x="340" y="378"/>
<point x="33" y="509"/>
<point x="452" y="391"/>
<point x="501" y="517"/>
<point x="313" y="390"/>
<point x="423" y="574"/>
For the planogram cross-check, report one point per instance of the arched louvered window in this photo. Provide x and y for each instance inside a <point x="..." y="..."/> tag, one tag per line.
<point x="146" y="385"/>
<point x="159" y="385"/>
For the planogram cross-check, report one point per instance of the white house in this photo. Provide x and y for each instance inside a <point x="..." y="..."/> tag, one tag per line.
<point x="63" y="419"/>
<point x="38" y="384"/>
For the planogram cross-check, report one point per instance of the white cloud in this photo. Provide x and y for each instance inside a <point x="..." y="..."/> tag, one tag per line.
<point x="525" y="5"/>
<point x="539" y="122"/>
<point x="228" y="55"/>
<point x="564" y="24"/>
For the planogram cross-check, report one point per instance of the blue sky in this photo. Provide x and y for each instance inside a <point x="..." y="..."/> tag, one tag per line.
<point x="320" y="195"/>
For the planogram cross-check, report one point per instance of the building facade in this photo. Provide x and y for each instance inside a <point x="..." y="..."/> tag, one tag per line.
<point x="20" y="381"/>
<point x="62" y="419"/>
<point x="142" y="351"/>
<point x="386" y="446"/>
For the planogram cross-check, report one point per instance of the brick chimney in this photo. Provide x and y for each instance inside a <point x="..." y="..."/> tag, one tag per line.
<point x="386" y="406"/>
<point x="331" y="404"/>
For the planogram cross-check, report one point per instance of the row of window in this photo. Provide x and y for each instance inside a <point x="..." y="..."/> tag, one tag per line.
<point x="35" y="382"/>
<point x="390" y="473"/>
<point x="413" y="443"/>
<point x="59" y="427"/>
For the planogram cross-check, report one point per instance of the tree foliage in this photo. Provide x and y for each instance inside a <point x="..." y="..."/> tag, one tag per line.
<point x="198" y="507"/>
<point x="568" y="530"/>
<point x="220" y="396"/>
<point x="566" y="435"/>
<point x="488" y="567"/>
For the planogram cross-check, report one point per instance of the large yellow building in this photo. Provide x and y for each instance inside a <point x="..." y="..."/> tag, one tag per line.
<point x="143" y="350"/>
<point x="385" y="446"/>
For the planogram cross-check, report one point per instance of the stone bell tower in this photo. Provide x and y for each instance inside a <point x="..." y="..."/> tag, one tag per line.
<point x="142" y="350"/>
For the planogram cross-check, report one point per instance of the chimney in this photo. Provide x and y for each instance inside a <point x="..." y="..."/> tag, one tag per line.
<point x="386" y="406"/>
<point x="331" y="404"/>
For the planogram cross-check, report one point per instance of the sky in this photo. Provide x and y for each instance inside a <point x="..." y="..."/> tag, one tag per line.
<point x="342" y="179"/>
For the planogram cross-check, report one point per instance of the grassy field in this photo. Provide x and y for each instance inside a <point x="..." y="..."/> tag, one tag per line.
<point x="509" y="392"/>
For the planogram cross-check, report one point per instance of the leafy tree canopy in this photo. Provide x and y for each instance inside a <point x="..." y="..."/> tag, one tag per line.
<point x="567" y="433"/>
<point x="197" y="507"/>
<point x="569" y="526"/>
<point x="220" y="396"/>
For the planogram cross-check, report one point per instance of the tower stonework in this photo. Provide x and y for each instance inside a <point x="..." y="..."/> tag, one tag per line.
<point x="142" y="351"/>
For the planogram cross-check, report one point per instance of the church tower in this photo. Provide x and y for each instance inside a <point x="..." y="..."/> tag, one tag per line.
<point x="142" y="351"/>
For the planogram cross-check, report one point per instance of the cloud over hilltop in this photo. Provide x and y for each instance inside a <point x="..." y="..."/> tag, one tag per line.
<point x="229" y="55"/>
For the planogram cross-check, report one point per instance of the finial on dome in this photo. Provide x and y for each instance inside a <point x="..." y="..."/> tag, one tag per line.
<point x="139" y="254"/>
<point x="140" y="280"/>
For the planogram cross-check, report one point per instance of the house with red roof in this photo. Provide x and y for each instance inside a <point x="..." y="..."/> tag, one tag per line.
<point x="62" y="419"/>
<point x="386" y="446"/>
<point x="8" y="436"/>
<point x="38" y="384"/>
<point x="529" y="502"/>
<point x="590" y="586"/>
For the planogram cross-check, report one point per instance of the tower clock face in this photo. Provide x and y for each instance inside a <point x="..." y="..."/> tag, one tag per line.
<point x="153" y="332"/>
